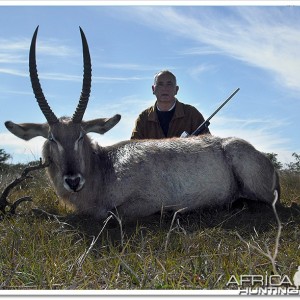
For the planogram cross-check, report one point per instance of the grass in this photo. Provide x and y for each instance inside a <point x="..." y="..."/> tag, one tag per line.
<point x="199" y="250"/>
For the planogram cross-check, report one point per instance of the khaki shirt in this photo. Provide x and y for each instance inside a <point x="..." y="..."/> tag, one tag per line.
<point x="186" y="118"/>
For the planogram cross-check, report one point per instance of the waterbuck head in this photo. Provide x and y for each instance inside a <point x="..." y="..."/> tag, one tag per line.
<point x="67" y="146"/>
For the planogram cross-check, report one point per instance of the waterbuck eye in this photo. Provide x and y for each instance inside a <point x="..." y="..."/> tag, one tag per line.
<point x="51" y="138"/>
<point x="82" y="134"/>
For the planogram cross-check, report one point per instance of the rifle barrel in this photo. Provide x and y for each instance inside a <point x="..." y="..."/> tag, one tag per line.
<point x="197" y="131"/>
<point x="220" y="107"/>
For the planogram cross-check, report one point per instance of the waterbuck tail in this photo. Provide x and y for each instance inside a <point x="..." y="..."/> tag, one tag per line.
<point x="87" y="80"/>
<point x="36" y="86"/>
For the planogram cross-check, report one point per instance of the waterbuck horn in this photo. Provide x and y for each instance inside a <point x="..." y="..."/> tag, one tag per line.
<point x="87" y="80"/>
<point x="36" y="86"/>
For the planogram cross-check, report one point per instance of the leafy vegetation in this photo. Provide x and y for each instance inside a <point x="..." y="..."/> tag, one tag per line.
<point x="47" y="246"/>
<point x="3" y="158"/>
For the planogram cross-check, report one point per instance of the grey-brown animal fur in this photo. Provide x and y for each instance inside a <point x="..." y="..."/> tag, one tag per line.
<point x="139" y="178"/>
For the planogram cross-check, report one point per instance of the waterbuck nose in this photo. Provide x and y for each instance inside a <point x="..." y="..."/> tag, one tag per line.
<point x="73" y="183"/>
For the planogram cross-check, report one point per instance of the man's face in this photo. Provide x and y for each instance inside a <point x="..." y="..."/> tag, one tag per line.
<point x="165" y="88"/>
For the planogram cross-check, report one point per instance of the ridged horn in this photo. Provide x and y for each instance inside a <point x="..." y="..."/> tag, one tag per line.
<point x="36" y="86"/>
<point x="87" y="80"/>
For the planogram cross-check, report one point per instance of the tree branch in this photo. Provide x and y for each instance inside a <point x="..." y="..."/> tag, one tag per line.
<point x="3" y="198"/>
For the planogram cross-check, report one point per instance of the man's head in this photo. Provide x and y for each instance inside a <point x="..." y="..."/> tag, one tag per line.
<point x="165" y="87"/>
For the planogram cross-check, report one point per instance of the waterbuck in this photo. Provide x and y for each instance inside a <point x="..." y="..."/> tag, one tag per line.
<point x="141" y="177"/>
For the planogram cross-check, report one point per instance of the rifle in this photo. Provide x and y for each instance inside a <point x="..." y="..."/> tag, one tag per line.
<point x="206" y="123"/>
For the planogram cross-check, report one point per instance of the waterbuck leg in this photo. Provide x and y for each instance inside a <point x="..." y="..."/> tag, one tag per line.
<point x="255" y="173"/>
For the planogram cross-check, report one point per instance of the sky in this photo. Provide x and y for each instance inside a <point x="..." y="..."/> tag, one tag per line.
<point x="212" y="49"/>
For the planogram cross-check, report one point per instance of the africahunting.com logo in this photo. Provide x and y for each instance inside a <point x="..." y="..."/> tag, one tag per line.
<point x="265" y="284"/>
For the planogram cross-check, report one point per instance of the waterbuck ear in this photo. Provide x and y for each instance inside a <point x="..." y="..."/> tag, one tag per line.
<point x="101" y="125"/>
<point x="27" y="131"/>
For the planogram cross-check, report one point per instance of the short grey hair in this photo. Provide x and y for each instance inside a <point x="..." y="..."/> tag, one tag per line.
<point x="162" y="73"/>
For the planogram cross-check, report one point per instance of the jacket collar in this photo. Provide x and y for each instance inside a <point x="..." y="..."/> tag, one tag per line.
<point x="179" y="112"/>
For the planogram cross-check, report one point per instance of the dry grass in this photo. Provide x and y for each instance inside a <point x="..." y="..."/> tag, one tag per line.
<point x="200" y="250"/>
